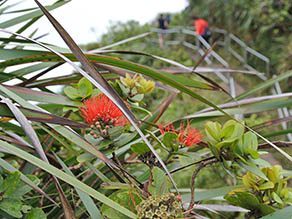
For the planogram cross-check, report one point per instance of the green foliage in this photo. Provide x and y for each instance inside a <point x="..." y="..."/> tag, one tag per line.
<point x="12" y="201"/>
<point x="170" y="140"/>
<point x="36" y="213"/>
<point x="142" y="85"/>
<point x="81" y="90"/>
<point x="251" y="202"/>
<point x="230" y="141"/>
<point x="110" y="162"/>
<point x="263" y="24"/>
<point x="127" y="198"/>
<point x="262" y="196"/>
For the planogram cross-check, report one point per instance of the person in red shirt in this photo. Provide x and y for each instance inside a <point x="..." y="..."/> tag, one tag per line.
<point x="202" y="28"/>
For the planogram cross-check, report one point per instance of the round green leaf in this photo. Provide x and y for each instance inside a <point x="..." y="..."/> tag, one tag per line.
<point x="36" y="213"/>
<point x="170" y="140"/>
<point x="140" y="148"/>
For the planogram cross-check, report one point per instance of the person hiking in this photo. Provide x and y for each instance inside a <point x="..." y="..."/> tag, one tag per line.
<point x="202" y="28"/>
<point x="162" y="24"/>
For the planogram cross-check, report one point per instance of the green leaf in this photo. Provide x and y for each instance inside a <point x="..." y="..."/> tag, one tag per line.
<point x="277" y="198"/>
<point x="254" y="154"/>
<point x="36" y="213"/>
<point x="266" y="185"/>
<point x="250" y="142"/>
<point x="161" y="182"/>
<point x="10" y="184"/>
<point x="140" y="109"/>
<point x="140" y="148"/>
<point x="21" y="71"/>
<point x="265" y="84"/>
<point x="227" y="131"/>
<point x="4" y="164"/>
<point x="244" y="199"/>
<point x="137" y="98"/>
<point x="115" y="185"/>
<point x="126" y="198"/>
<point x="124" y="138"/>
<point x="253" y="168"/>
<point x="25" y="208"/>
<point x="84" y="157"/>
<point x="215" y="151"/>
<point x="86" y="199"/>
<point x="85" y="87"/>
<point x="226" y="143"/>
<point x="22" y="188"/>
<point x="12" y="207"/>
<point x="72" y="92"/>
<point x="170" y="140"/>
<point x="266" y="209"/>
<point x="283" y="213"/>
<point x="39" y="116"/>
<point x="65" y="177"/>
<point x="233" y="129"/>
<point x="208" y="194"/>
<point x="36" y="13"/>
<point x="41" y="96"/>
<point x="213" y="130"/>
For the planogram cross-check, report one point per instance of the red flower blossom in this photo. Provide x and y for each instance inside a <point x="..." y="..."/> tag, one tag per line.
<point x="102" y="109"/>
<point x="187" y="136"/>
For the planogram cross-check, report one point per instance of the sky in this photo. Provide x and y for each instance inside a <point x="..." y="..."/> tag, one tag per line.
<point x="87" y="20"/>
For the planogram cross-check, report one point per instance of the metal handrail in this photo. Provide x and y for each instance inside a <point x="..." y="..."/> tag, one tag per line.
<point x="229" y="38"/>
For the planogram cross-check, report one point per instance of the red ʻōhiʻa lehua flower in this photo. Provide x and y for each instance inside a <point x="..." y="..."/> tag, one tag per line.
<point x="187" y="136"/>
<point x="101" y="110"/>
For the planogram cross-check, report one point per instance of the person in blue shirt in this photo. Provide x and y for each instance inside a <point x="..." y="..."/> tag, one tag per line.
<point x="162" y="24"/>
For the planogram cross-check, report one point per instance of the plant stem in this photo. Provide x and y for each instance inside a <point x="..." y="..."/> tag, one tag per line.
<point x="202" y="164"/>
<point x="127" y="175"/>
<point x="191" y="164"/>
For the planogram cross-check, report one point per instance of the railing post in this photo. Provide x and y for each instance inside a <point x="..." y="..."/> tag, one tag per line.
<point x="227" y="44"/>
<point x="268" y="68"/>
<point x="198" y="44"/>
<point x="245" y="55"/>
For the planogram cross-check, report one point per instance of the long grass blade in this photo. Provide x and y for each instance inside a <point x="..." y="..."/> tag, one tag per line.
<point x="49" y="57"/>
<point x="7" y="166"/>
<point x="265" y="84"/>
<point x="68" y="211"/>
<point x="40" y="96"/>
<point x="65" y="177"/>
<point x="86" y="199"/>
<point x="101" y="83"/>
<point x="66" y="132"/>
<point x="30" y="15"/>
<point x="39" y="116"/>
<point x="170" y="82"/>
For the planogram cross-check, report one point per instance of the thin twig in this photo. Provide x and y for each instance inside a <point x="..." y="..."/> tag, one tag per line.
<point x="121" y="180"/>
<point x="202" y="164"/>
<point x="191" y="164"/>
<point x="24" y="83"/>
<point x="127" y="175"/>
<point x="277" y="143"/>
